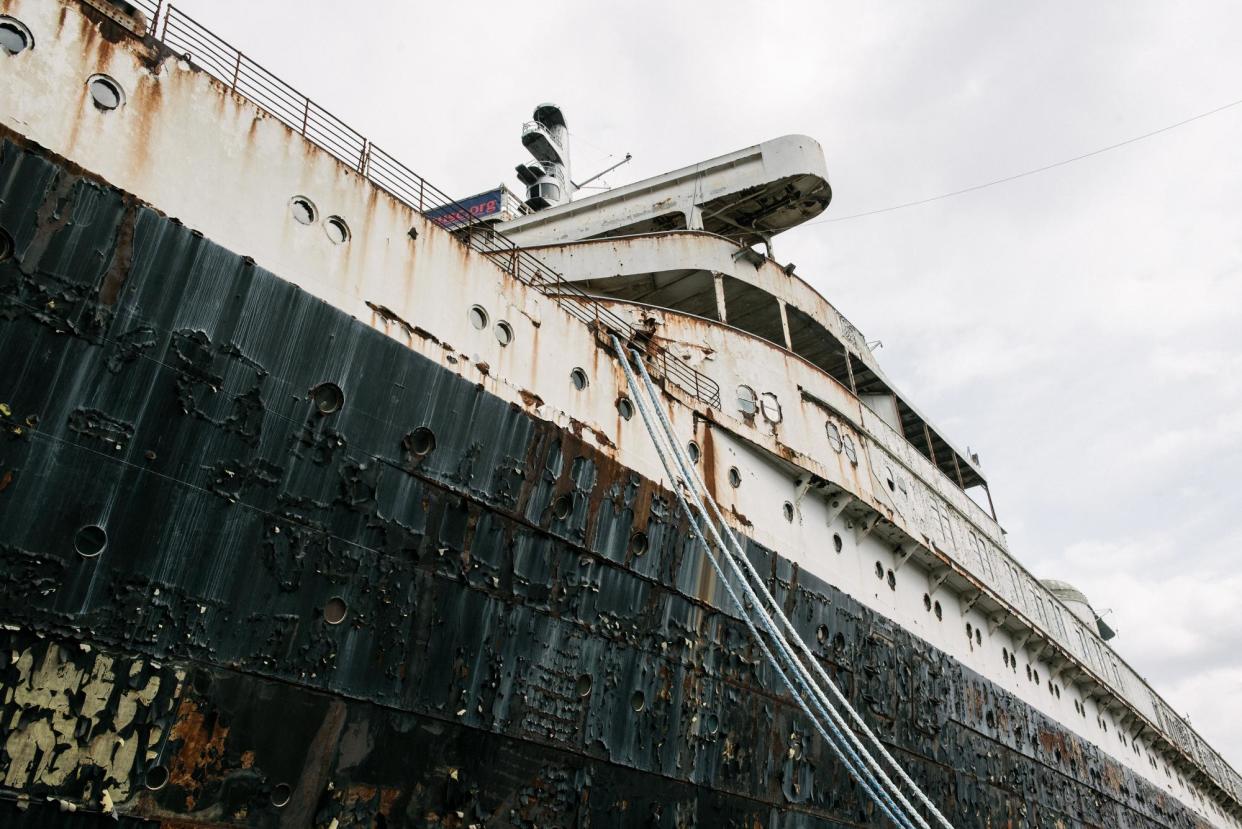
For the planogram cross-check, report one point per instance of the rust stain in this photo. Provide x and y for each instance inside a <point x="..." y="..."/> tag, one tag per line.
<point x="6" y="480"/>
<point x="530" y="399"/>
<point x="202" y="749"/>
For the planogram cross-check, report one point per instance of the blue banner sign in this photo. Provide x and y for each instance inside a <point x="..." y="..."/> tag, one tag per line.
<point x="467" y="210"/>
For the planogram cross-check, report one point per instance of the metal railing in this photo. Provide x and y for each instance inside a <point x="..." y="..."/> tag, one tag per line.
<point x="186" y="37"/>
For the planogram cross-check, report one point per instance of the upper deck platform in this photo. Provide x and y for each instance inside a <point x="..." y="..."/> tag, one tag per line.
<point x="748" y="196"/>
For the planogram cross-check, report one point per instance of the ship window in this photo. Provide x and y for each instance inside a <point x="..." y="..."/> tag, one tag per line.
<point x="303" y="210"/>
<point x="693" y="450"/>
<point x="834" y="435"/>
<point x="336" y="229"/>
<point x="156" y="778"/>
<point x="90" y="540"/>
<point x="579" y="378"/>
<point x="927" y="602"/>
<point x="504" y="333"/>
<point x="625" y="407"/>
<point x="478" y="316"/>
<point x="747" y="401"/>
<point x="328" y="398"/>
<point x="334" y="611"/>
<point x="850" y="451"/>
<point x="788" y="509"/>
<point x="14" y="37"/>
<point x="105" y="92"/>
<point x="282" y="793"/>
<point x="771" y="407"/>
<point x="837" y="544"/>
<point x="892" y="580"/>
<point x="939" y="610"/>
<point x="735" y="477"/>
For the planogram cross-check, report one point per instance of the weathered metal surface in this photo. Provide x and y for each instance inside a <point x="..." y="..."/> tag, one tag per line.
<point x="232" y="598"/>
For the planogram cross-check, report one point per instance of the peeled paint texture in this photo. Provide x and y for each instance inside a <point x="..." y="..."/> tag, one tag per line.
<point x="297" y="618"/>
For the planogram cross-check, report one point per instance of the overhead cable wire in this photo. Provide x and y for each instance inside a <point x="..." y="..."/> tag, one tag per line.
<point x="1034" y="171"/>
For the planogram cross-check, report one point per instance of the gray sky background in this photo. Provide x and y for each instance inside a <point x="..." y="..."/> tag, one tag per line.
<point x="1081" y="329"/>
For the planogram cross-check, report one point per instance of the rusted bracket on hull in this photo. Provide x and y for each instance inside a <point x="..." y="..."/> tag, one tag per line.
<point x="970" y="603"/>
<point x="996" y="621"/>
<point x="837" y="506"/>
<point x="867" y="526"/>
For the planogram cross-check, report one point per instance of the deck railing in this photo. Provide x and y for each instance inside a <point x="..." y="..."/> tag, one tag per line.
<point x="186" y="37"/>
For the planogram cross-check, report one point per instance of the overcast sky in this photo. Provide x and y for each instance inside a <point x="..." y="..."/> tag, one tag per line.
<point x="1081" y="329"/>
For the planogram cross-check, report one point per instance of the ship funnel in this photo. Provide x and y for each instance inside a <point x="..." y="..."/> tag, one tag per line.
<point x="546" y="137"/>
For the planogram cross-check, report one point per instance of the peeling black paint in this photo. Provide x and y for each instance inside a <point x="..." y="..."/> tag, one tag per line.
<point x="491" y="649"/>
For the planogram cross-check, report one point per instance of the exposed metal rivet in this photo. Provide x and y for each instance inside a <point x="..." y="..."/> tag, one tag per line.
<point x="638" y="543"/>
<point x="90" y="540"/>
<point x="562" y="506"/>
<point x="328" y="397"/>
<point x="422" y="441"/>
<point x="583" y="686"/>
<point x="156" y="778"/>
<point x="282" y="793"/>
<point x="334" y="610"/>
<point x="638" y="701"/>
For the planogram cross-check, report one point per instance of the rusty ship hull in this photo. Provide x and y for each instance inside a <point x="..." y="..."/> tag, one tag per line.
<point x="499" y="659"/>
<point x="325" y="500"/>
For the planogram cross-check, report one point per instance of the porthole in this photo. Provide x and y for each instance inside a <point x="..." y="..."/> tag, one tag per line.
<point x="692" y="449"/>
<point x="579" y="378"/>
<point x="282" y="793"/>
<point x="638" y="701"/>
<point x="583" y="685"/>
<point x="850" y="451"/>
<point x="837" y="543"/>
<point x="155" y="778"/>
<point x="927" y="602"/>
<point x="788" y="510"/>
<point x="1028" y="672"/>
<point x="625" y="408"/>
<point x="420" y="442"/>
<point x="970" y="631"/>
<point x="14" y="36"/>
<point x="504" y="333"/>
<point x="337" y="230"/>
<point x="334" y="610"/>
<point x="712" y="724"/>
<point x="562" y="506"/>
<point x="978" y="636"/>
<point x="834" y="435"/>
<point x="747" y="401"/>
<point x="90" y="540"/>
<point x="939" y="611"/>
<point x="735" y="477"/>
<point x="892" y="580"/>
<point x="879" y="570"/>
<point x="638" y="544"/>
<point x="821" y="634"/>
<point x="303" y="210"/>
<point x="1005" y="656"/>
<point x="1035" y="673"/>
<point x="106" y="93"/>
<point x="888" y="479"/>
<point x="478" y="317"/>
<point x="328" y="398"/>
<point x="771" y="407"/>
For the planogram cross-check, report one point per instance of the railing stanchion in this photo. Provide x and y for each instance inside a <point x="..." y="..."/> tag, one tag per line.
<point x="237" y="71"/>
<point x="305" y="115"/>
